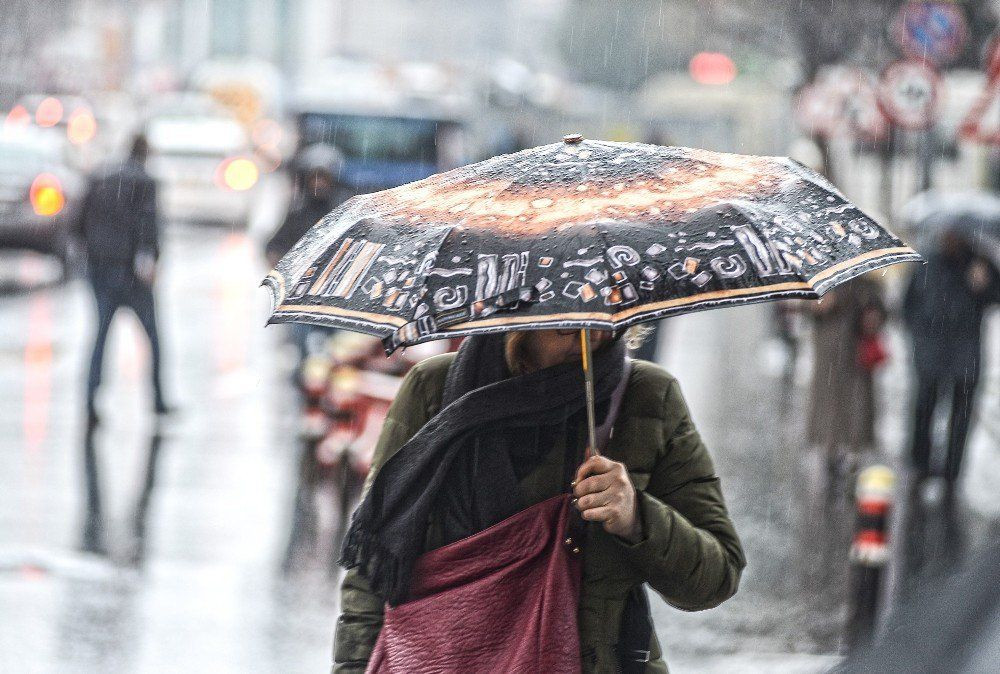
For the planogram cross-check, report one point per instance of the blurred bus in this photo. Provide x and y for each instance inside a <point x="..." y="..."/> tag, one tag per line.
<point x="391" y="125"/>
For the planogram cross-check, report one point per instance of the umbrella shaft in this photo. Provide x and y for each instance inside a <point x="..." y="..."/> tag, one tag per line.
<point x="588" y="382"/>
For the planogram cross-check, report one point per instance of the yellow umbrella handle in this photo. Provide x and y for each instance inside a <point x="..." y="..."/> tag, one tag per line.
<point x="588" y="382"/>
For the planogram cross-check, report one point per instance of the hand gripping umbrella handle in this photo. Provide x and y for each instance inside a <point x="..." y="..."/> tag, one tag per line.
<point x="588" y="383"/>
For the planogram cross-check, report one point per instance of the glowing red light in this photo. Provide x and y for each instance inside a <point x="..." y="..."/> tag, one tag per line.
<point x="18" y="117"/>
<point x="49" y="112"/>
<point x="712" y="68"/>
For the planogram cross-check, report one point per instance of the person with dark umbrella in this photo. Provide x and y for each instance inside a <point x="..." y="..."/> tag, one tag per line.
<point x="318" y="190"/>
<point x="119" y="228"/>
<point x="943" y="309"/>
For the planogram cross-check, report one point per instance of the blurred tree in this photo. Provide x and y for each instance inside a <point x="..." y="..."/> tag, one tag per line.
<point x="619" y="44"/>
<point x="22" y="22"/>
<point x="859" y="31"/>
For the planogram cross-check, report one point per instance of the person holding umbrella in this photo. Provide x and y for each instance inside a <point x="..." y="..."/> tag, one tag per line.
<point x="526" y="489"/>
<point x="943" y="309"/>
<point x="655" y="497"/>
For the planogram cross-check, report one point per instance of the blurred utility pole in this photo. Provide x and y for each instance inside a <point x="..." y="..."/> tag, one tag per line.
<point x="887" y="154"/>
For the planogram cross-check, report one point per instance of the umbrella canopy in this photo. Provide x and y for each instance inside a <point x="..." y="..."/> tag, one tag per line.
<point x="578" y="234"/>
<point x="971" y="212"/>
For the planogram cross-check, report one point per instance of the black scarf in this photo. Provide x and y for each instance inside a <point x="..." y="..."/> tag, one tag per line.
<point x="466" y="461"/>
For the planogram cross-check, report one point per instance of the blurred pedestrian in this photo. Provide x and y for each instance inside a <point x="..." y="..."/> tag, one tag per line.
<point x="847" y="349"/>
<point x="501" y="419"/>
<point x="318" y="189"/>
<point x="943" y="309"/>
<point x="119" y="227"/>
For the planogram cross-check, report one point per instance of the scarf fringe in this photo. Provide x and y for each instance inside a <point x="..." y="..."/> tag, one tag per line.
<point x="387" y="573"/>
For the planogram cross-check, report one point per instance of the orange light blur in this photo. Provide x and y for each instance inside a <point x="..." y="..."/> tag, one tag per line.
<point x="49" y="112"/>
<point x="267" y="162"/>
<point x="238" y="174"/>
<point x="712" y="68"/>
<point x="81" y="126"/>
<point x="18" y="117"/>
<point x="46" y="195"/>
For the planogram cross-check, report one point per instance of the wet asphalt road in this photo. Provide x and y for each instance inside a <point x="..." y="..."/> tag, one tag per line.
<point x="194" y="513"/>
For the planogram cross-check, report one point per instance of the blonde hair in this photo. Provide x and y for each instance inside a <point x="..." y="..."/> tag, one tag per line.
<point x="636" y="335"/>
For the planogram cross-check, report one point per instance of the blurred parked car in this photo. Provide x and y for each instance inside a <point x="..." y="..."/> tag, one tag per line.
<point x="40" y="191"/>
<point x="202" y="158"/>
<point x="93" y="126"/>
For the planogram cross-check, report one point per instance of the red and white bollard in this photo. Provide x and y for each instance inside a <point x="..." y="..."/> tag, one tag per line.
<point x="869" y="551"/>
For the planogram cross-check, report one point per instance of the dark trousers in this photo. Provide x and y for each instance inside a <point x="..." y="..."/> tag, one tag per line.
<point x="963" y="395"/>
<point x="115" y="286"/>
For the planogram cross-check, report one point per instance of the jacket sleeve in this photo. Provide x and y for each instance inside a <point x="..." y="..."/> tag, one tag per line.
<point x="79" y="228"/>
<point x="149" y="224"/>
<point x="360" y="608"/>
<point x="689" y="552"/>
<point x="911" y="298"/>
<point x="281" y="241"/>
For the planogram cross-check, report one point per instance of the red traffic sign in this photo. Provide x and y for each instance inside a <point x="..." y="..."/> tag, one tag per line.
<point x="908" y="94"/>
<point x="993" y="60"/>
<point x="841" y="102"/>
<point x="982" y="123"/>
<point x="931" y="31"/>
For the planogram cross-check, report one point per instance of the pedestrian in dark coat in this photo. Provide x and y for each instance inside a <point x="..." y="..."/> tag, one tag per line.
<point x="944" y="307"/>
<point x="119" y="227"/>
<point x="318" y="190"/>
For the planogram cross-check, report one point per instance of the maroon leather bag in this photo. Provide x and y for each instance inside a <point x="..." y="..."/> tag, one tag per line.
<point x="502" y="600"/>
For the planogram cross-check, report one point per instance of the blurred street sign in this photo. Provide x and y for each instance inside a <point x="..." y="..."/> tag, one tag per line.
<point x="982" y="123"/>
<point x="908" y="94"/>
<point x="931" y="31"/>
<point x="842" y="101"/>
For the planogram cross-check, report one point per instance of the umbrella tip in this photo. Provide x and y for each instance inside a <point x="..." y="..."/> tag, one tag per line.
<point x="573" y="138"/>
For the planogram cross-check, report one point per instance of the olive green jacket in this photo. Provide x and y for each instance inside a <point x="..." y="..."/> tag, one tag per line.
<point x="689" y="552"/>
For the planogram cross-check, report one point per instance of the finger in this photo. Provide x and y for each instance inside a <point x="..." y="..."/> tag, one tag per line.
<point x="598" y="500"/>
<point x="604" y="514"/>
<point x="594" y="484"/>
<point x="593" y="466"/>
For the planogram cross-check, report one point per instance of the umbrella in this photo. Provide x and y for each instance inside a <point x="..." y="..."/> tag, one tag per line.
<point x="579" y="234"/>
<point x="971" y="212"/>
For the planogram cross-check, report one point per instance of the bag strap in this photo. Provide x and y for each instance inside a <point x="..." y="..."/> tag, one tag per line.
<point x="603" y="432"/>
<point x="607" y="427"/>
